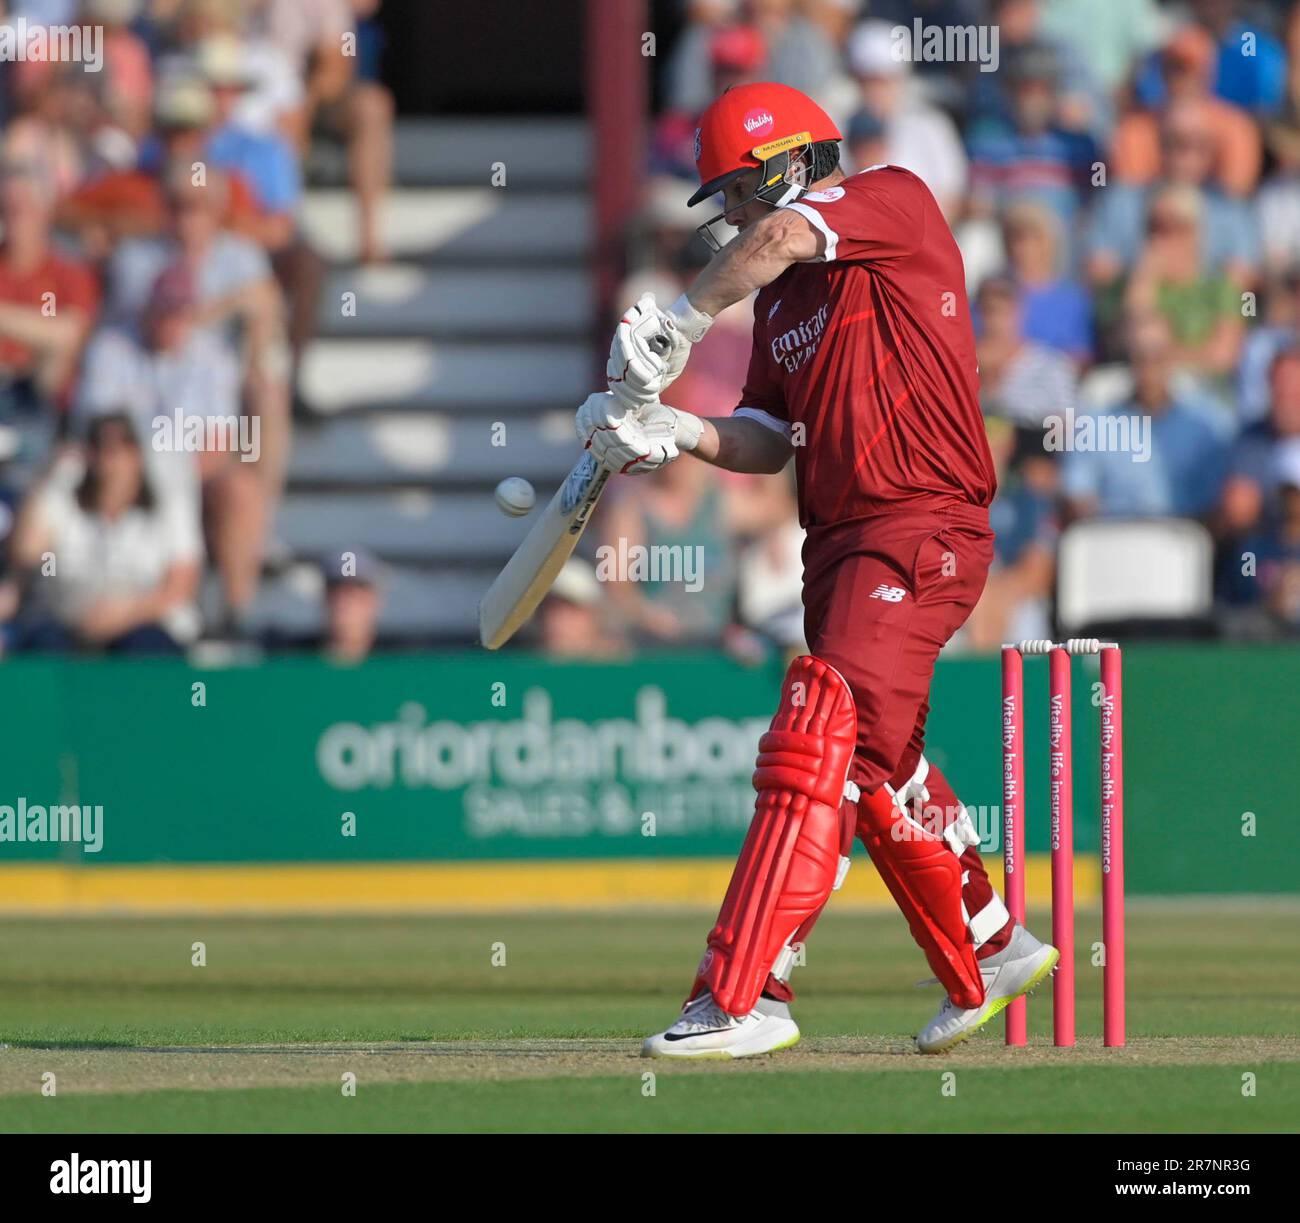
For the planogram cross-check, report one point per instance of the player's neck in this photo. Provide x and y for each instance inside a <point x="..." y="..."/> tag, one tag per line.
<point x="835" y="176"/>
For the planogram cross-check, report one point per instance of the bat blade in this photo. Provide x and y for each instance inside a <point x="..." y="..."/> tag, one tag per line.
<point x="528" y="574"/>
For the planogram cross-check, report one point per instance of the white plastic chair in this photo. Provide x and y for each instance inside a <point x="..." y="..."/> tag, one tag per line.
<point x="1133" y="569"/>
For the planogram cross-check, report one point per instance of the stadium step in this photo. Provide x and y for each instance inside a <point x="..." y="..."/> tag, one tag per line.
<point x="417" y="604"/>
<point x="339" y="376"/>
<point x="483" y="314"/>
<point x="431" y="449"/>
<point x="411" y="525"/>
<point x="537" y="153"/>
<point x="408" y="299"/>
<point x="470" y="226"/>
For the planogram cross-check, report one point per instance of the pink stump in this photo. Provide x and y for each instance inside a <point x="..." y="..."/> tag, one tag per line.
<point x="1112" y="846"/>
<point x="1013" y="810"/>
<point x="1061" y="781"/>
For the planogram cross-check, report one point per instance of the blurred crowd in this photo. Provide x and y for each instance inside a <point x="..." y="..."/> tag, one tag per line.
<point x="1125" y="188"/>
<point x="156" y="294"/>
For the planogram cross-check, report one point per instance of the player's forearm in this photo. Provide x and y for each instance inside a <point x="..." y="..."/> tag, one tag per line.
<point x="739" y="444"/>
<point x="753" y="259"/>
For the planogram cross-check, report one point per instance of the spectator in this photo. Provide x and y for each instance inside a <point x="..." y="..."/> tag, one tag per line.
<point x="127" y="97"/>
<point x="834" y="18"/>
<point x="1280" y="331"/>
<point x="1254" y="81"/>
<point x="127" y="559"/>
<point x="1277" y="554"/>
<point x="1263" y="451"/>
<point x="1229" y="233"/>
<point x="353" y="599"/>
<point x="770" y="563"/>
<point x="572" y="616"/>
<point x="1187" y="67"/>
<point x="310" y="35"/>
<point x="1170" y="460"/>
<point x="47" y="306"/>
<point x="945" y="83"/>
<point x="66" y="131"/>
<point x="128" y="203"/>
<point x="179" y="369"/>
<point x="677" y="517"/>
<point x="1277" y="206"/>
<point x="275" y="92"/>
<point x="167" y="361"/>
<point x="800" y="52"/>
<point x="1056" y="309"/>
<point x="1020" y="379"/>
<point x="267" y="162"/>
<point x="688" y="76"/>
<point x="1107" y="36"/>
<point x="10" y="496"/>
<point x="1082" y="105"/>
<point x="1032" y="156"/>
<point x="1204" y="312"/>
<point x="1016" y="603"/>
<point x="1259" y="572"/>
<point x="864" y="142"/>
<point x="237" y="299"/>
<point x="917" y="136"/>
<point x="226" y="308"/>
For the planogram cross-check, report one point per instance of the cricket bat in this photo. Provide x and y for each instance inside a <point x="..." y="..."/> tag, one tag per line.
<point x="528" y="574"/>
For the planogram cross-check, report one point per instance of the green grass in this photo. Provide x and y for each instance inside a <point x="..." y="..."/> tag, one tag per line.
<point x="1144" y="1098"/>
<point x="1228" y="973"/>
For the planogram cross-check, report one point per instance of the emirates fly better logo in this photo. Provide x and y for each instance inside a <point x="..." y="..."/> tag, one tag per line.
<point x="796" y="346"/>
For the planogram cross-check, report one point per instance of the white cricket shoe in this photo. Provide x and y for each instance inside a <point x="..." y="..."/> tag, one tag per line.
<point x="706" y="1030"/>
<point x="1022" y="965"/>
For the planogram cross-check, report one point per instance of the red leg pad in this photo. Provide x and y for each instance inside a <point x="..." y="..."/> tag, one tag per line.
<point x="924" y="877"/>
<point x="787" y="864"/>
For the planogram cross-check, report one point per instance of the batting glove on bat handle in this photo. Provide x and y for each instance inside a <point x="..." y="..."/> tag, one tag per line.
<point x="687" y="427"/>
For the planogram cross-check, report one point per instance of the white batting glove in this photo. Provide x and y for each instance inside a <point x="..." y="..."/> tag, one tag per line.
<point x="651" y="346"/>
<point x="631" y="442"/>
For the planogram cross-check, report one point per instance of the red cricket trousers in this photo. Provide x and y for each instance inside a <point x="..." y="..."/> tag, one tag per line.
<point x="882" y="596"/>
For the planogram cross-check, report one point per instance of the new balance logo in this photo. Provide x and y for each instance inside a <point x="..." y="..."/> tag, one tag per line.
<point x="890" y="594"/>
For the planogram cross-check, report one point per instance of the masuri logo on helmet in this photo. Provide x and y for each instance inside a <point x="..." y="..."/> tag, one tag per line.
<point x="729" y="141"/>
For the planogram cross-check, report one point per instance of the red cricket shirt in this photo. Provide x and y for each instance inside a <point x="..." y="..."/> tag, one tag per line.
<point x="866" y="358"/>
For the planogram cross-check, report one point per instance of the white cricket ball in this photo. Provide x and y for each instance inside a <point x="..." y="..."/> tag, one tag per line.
<point x="515" y="496"/>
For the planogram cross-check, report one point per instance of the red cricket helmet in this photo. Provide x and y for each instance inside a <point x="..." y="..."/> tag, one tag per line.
<point x="761" y="126"/>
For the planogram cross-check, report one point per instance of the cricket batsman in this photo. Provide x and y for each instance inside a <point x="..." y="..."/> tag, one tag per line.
<point x="863" y="369"/>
